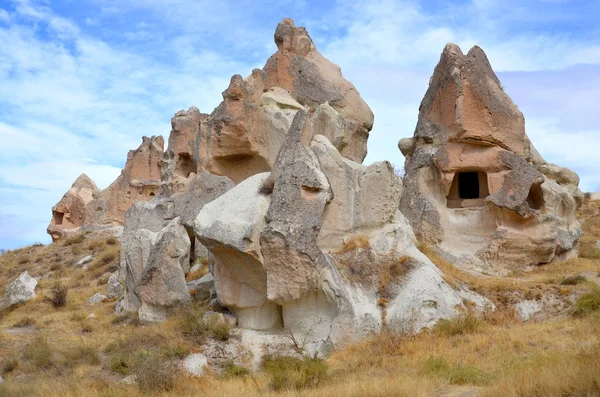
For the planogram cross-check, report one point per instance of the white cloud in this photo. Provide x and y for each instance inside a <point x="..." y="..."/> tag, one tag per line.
<point x="73" y="103"/>
<point x="4" y="16"/>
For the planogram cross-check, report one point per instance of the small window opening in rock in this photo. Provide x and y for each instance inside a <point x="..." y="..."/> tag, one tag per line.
<point x="152" y="194"/>
<point x="468" y="189"/>
<point x="58" y="217"/>
<point x="184" y="166"/>
<point x="535" y="199"/>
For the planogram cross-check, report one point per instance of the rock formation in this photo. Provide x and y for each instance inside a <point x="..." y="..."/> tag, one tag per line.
<point x="475" y="186"/>
<point x="300" y="236"/>
<point x="68" y="215"/>
<point x="85" y="208"/>
<point x="318" y="247"/>
<point x="139" y="181"/>
<point x="242" y="136"/>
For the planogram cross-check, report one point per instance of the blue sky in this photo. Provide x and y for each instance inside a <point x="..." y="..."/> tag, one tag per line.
<point x="82" y="80"/>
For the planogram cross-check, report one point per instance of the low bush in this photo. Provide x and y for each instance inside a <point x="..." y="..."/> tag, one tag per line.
<point x="588" y="302"/>
<point x="287" y="373"/>
<point x="573" y="280"/>
<point x="233" y="370"/>
<point x="460" y="325"/>
<point x="155" y="374"/>
<point x="39" y="353"/>
<point x="459" y="374"/>
<point x="24" y="322"/>
<point x="74" y="239"/>
<point x="58" y="295"/>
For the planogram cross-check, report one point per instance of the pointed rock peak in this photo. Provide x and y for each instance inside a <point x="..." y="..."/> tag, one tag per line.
<point x="288" y="37"/>
<point x="84" y="181"/>
<point x="452" y="50"/>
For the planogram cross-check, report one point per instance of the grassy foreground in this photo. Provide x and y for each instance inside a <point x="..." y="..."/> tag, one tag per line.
<point x="60" y="349"/>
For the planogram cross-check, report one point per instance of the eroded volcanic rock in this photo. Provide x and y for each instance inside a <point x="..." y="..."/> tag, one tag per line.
<point x="475" y="186"/>
<point x="68" y="215"/>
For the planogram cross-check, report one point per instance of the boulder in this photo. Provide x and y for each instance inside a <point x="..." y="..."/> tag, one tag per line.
<point x="68" y="215"/>
<point x="21" y="290"/>
<point x="475" y="187"/>
<point x="195" y="364"/>
<point x="230" y="228"/>
<point x="85" y="260"/>
<point x="96" y="298"/>
<point x="114" y="288"/>
<point x="162" y="284"/>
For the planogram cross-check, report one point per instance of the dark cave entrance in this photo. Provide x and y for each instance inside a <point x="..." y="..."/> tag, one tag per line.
<point x="468" y="189"/>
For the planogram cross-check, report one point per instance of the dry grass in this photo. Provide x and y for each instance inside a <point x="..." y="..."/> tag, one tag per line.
<point x="355" y="242"/>
<point x="67" y="354"/>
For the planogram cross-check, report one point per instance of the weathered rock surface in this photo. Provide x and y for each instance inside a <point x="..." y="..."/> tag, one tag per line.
<point x="277" y="265"/>
<point x="68" y="215"/>
<point x="139" y="181"/>
<point x="19" y="291"/>
<point x="243" y="135"/>
<point x="162" y="283"/>
<point x="195" y="364"/>
<point x="475" y="186"/>
<point x="147" y="265"/>
<point x="115" y="288"/>
<point x="96" y="298"/>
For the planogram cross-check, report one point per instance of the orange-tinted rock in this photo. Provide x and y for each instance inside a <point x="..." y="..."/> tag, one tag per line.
<point x="475" y="186"/>
<point x="139" y="181"/>
<point x="68" y="215"/>
<point x="243" y="135"/>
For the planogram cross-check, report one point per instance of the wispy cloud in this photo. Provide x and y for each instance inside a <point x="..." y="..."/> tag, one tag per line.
<point x="81" y="82"/>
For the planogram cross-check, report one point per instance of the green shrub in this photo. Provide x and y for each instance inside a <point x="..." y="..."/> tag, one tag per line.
<point x="455" y="374"/>
<point x="464" y="324"/>
<point x="294" y="373"/>
<point x="219" y="329"/>
<point x="232" y="370"/>
<point x="588" y="302"/>
<point x="573" y="280"/>
<point x="192" y="324"/>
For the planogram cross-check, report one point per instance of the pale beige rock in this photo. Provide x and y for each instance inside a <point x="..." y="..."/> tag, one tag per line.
<point x="68" y="215"/>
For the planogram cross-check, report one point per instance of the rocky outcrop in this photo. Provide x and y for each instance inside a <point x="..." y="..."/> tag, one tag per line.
<point x="243" y="135"/>
<point x="139" y="181"/>
<point x="68" y="215"/>
<point x="85" y="208"/>
<point x="278" y="267"/>
<point x="158" y="247"/>
<point x="475" y="186"/>
<point x="21" y="290"/>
